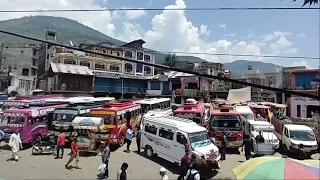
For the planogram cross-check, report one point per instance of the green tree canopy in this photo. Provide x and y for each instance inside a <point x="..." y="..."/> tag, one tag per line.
<point x="170" y="60"/>
<point x="310" y="2"/>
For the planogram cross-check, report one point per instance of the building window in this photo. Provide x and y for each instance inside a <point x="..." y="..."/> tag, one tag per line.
<point x="84" y="63"/>
<point x="298" y="110"/>
<point x="147" y="58"/>
<point x="147" y="70"/>
<point x="34" y="52"/>
<point x="34" y="62"/>
<point x="100" y="66"/>
<point x="118" y="54"/>
<point x="22" y="84"/>
<point x="139" y="56"/>
<point x="104" y="51"/>
<point x="48" y="56"/>
<point x="114" y="68"/>
<point x="33" y="72"/>
<point x="25" y="72"/>
<point x="70" y="61"/>
<point x="128" y="54"/>
<point x="128" y="68"/>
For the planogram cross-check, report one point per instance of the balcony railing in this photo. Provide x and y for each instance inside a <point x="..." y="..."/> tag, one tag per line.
<point x="113" y="89"/>
<point x="309" y="87"/>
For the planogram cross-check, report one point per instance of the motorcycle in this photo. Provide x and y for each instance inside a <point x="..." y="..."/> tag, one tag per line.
<point x="43" y="147"/>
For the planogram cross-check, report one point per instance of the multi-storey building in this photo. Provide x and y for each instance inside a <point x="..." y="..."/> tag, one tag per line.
<point x="302" y="80"/>
<point x="74" y="71"/>
<point x="20" y="62"/>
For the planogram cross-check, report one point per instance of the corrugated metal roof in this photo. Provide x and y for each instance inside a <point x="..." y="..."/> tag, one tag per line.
<point x="71" y="69"/>
<point x="171" y="74"/>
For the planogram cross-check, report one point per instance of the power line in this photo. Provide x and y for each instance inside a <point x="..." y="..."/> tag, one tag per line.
<point x="153" y="9"/>
<point x="168" y="68"/>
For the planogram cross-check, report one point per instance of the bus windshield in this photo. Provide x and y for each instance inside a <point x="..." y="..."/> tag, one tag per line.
<point x="64" y="117"/>
<point x="109" y="119"/>
<point x="145" y="108"/>
<point x="8" y="119"/>
<point x="196" y="117"/>
<point x="225" y="121"/>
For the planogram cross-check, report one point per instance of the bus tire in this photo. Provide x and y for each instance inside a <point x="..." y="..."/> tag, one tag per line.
<point x="149" y="151"/>
<point x="121" y="141"/>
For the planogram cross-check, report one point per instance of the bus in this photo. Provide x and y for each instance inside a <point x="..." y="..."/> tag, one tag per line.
<point x="226" y="119"/>
<point x="32" y="122"/>
<point x="76" y="100"/>
<point x="28" y="101"/>
<point x="154" y="103"/>
<point x="117" y="117"/>
<point x="195" y="111"/>
<point x="63" y="117"/>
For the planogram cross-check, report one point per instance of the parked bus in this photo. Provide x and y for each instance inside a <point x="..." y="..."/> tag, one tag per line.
<point x="154" y="103"/>
<point x="79" y="100"/>
<point x="63" y="117"/>
<point x="193" y="110"/>
<point x="32" y="122"/>
<point x="28" y="101"/>
<point x="117" y="117"/>
<point x="225" y="119"/>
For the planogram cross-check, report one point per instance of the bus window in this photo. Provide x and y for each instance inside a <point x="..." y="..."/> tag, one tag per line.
<point x="166" y="134"/>
<point x="150" y="129"/>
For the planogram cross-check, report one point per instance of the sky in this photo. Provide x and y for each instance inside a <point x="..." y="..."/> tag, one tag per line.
<point x="276" y="32"/>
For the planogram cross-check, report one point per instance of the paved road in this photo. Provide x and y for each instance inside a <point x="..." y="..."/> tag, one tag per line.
<point x="46" y="167"/>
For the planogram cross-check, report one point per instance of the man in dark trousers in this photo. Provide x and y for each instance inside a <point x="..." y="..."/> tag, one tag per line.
<point x="223" y="149"/>
<point x="138" y="139"/>
<point x="105" y="158"/>
<point x="61" y="144"/>
<point x="122" y="174"/>
<point x="183" y="164"/>
<point x="247" y="144"/>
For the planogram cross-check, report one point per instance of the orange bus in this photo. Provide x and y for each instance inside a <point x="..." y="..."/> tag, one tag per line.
<point x="117" y="117"/>
<point x="225" y="119"/>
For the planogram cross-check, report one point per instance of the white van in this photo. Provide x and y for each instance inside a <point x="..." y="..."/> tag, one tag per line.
<point x="159" y="113"/>
<point x="167" y="137"/>
<point x="245" y="112"/>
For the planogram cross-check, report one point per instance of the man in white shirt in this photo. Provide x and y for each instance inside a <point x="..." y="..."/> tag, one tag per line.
<point x="163" y="174"/>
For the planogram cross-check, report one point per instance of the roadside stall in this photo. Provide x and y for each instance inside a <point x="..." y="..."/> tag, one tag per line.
<point x="86" y="128"/>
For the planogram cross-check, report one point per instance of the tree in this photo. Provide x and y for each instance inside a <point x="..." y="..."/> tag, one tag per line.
<point x="310" y="2"/>
<point x="170" y="60"/>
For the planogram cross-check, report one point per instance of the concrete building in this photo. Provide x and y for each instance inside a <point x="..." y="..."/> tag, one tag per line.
<point x="302" y="80"/>
<point x="20" y="61"/>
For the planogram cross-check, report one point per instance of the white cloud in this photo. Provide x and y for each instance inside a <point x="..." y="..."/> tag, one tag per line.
<point x="91" y="19"/>
<point x="302" y="35"/>
<point x="130" y="32"/>
<point x="230" y="35"/>
<point x="275" y="35"/>
<point x="222" y="26"/>
<point x="136" y="14"/>
<point x="300" y="63"/>
<point x="204" y="30"/>
<point x="149" y="3"/>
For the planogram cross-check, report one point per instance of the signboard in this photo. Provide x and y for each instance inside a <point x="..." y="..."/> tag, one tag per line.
<point x="227" y="117"/>
<point x="190" y="79"/>
<point x="163" y="78"/>
<point x="66" y="111"/>
<point x="14" y="114"/>
<point x="12" y="103"/>
<point x="103" y="112"/>
<point x="106" y="75"/>
<point x="86" y="122"/>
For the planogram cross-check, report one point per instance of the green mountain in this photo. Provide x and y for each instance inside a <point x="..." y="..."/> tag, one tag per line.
<point x="66" y="29"/>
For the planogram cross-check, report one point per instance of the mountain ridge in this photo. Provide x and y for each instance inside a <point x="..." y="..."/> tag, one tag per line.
<point x="67" y="29"/>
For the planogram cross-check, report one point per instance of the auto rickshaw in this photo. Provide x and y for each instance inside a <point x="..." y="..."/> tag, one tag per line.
<point x="86" y="128"/>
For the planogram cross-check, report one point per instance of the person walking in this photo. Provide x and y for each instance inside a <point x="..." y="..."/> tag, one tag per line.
<point x="138" y="139"/>
<point x="223" y="149"/>
<point x="247" y="144"/>
<point x="15" y="144"/>
<point x="163" y="174"/>
<point x="129" y="137"/>
<point x="122" y="174"/>
<point x="183" y="165"/>
<point x="1" y="136"/>
<point x="74" y="154"/>
<point x="193" y="174"/>
<point x="61" y="143"/>
<point x="105" y="158"/>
